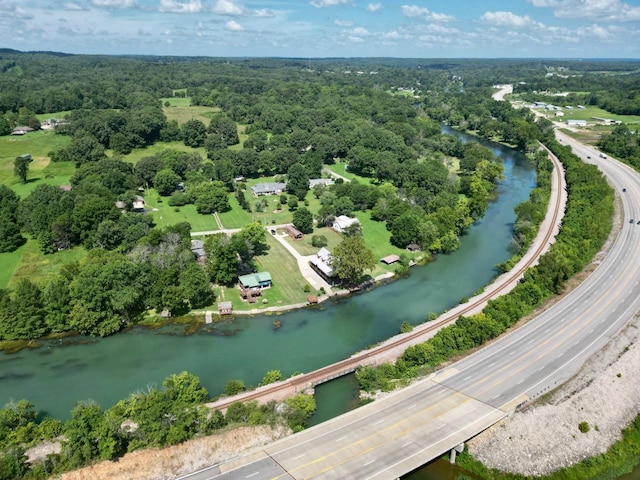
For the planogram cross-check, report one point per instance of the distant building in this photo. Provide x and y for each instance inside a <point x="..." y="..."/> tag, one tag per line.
<point x="321" y="264"/>
<point x="267" y="188"/>
<point x="21" y="130"/>
<point x="293" y="232"/>
<point x="342" y="222"/>
<point x="577" y="123"/>
<point x="559" y="114"/>
<point x="389" y="259"/>
<point x="197" y="248"/>
<point x="539" y="104"/>
<point x="413" y="247"/>
<point x="320" y="181"/>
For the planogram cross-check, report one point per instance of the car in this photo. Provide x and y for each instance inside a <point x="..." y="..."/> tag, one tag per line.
<point x="638" y="222"/>
<point x="589" y="157"/>
<point x="631" y="221"/>
<point x="273" y="232"/>
<point x="624" y="189"/>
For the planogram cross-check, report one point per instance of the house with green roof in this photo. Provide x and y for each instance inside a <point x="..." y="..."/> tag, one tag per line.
<point x="255" y="281"/>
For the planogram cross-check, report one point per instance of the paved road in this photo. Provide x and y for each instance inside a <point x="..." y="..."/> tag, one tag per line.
<point x="388" y="437"/>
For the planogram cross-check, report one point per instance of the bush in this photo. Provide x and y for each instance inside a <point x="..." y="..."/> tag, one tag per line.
<point x="584" y="427"/>
<point x="233" y="387"/>
<point x="406" y="327"/>
<point x="319" y="241"/>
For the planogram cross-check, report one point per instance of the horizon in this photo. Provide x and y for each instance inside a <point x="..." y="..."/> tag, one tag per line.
<point x="322" y="29"/>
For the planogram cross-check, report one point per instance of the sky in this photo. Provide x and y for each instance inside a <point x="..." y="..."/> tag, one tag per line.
<point x="326" y="28"/>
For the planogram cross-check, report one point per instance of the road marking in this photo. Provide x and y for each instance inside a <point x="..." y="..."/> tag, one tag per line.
<point x="547" y="330"/>
<point x="520" y="382"/>
<point x="252" y="475"/>
<point x="441" y="426"/>
<point x="561" y="354"/>
<point x="512" y="352"/>
<point x="300" y="456"/>
<point x="575" y="310"/>
<point x="493" y="398"/>
<point x="530" y="342"/>
<point x="406" y="444"/>
<point x="379" y="422"/>
<point x="412" y="406"/>
<point x="468" y="377"/>
<point x="540" y="369"/>
<point x="492" y="364"/>
<point x="342" y="438"/>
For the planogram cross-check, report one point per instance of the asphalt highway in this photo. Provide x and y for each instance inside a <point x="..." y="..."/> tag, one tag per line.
<point x="404" y="430"/>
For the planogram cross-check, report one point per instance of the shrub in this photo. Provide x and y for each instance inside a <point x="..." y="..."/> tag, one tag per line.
<point x="584" y="427"/>
<point x="319" y="241"/>
<point x="406" y="327"/>
<point x="233" y="387"/>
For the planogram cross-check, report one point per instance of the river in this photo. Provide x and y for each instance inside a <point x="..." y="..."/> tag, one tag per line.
<point x="60" y="373"/>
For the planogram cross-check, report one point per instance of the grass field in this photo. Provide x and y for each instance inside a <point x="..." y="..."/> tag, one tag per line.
<point x="288" y="283"/>
<point x="181" y="111"/>
<point x="158" y="147"/>
<point x="340" y="169"/>
<point x="589" y="113"/>
<point x="304" y="247"/>
<point x="41" y="170"/>
<point x="166" y="215"/>
<point x="242" y="136"/>
<point x="30" y="263"/>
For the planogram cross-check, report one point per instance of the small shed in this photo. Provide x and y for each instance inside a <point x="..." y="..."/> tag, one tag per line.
<point x="389" y="259"/>
<point x="293" y="232"/>
<point x="413" y="247"/>
<point x="312" y="299"/>
<point x="225" y="308"/>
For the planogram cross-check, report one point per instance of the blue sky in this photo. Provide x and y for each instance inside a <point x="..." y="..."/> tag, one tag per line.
<point x="326" y="28"/>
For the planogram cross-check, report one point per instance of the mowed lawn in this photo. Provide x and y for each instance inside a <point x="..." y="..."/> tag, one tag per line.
<point x="588" y="114"/>
<point x="288" y="282"/>
<point x="165" y="215"/>
<point x="30" y="263"/>
<point x="156" y="148"/>
<point x="341" y="169"/>
<point x="182" y="111"/>
<point x="41" y="169"/>
<point x="304" y="247"/>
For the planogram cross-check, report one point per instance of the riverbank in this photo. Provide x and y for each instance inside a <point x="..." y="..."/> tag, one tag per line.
<point x="546" y="436"/>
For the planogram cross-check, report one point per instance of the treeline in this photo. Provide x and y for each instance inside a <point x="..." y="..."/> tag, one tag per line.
<point x="624" y="144"/>
<point x="156" y="417"/>
<point x="586" y="224"/>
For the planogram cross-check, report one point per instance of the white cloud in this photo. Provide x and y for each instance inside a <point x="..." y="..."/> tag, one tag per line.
<point x="359" y="31"/>
<point x="232" y="9"/>
<point x="374" y="7"/>
<point x="14" y="11"/>
<point x="114" y="3"/>
<point x="594" y="31"/>
<point x="174" y="6"/>
<point x="233" y="26"/>
<point x="507" y="19"/>
<point x="328" y="3"/>
<point x="355" y="39"/>
<point x="343" y="23"/>
<point x="440" y="17"/>
<point x="413" y="11"/>
<point x="72" y="6"/>
<point x="603" y="10"/>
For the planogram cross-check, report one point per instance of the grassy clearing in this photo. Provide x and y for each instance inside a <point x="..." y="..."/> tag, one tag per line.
<point x="237" y="217"/>
<point x="589" y="113"/>
<point x="242" y="136"/>
<point x="158" y="147"/>
<point x="341" y="169"/>
<point x="165" y="215"/>
<point x="304" y="247"/>
<point x="9" y="261"/>
<point x="184" y="113"/>
<point x="37" y="267"/>
<point x="38" y="144"/>
<point x="58" y="115"/>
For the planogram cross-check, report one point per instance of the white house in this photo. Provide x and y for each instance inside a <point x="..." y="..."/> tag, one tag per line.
<point x="342" y="222"/>
<point x="577" y="123"/>
<point x="267" y="188"/>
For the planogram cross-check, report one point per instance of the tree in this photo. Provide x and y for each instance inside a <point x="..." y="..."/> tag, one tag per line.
<point x="256" y="235"/>
<point x="303" y="220"/>
<point x="21" y="167"/>
<point x="185" y="388"/>
<point x="350" y="259"/>
<point x="10" y="237"/>
<point x="146" y="170"/>
<point x="211" y="197"/>
<point x="195" y="285"/>
<point x="222" y="259"/>
<point x="166" y="182"/>
<point x="194" y="133"/>
<point x="297" y="181"/>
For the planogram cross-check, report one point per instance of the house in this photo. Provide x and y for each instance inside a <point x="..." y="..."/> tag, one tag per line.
<point x="197" y="248"/>
<point x="321" y="264"/>
<point x="341" y="223"/>
<point x="269" y="188"/>
<point x="389" y="259"/>
<point x="325" y="182"/>
<point x="21" y="130"/>
<point x="138" y="204"/>
<point x="255" y="281"/>
<point x="225" y="308"/>
<point x="413" y="247"/>
<point x="577" y="123"/>
<point x="559" y="114"/>
<point x="293" y="232"/>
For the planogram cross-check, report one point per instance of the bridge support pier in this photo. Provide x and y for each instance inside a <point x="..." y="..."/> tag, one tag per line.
<point x="454" y="450"/>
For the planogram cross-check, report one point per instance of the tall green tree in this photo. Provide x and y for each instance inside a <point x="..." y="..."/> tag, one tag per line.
<point x="21" y="167"/>
<point x="350" y="259"/>
<point x="303" y="220"/>
<point x="297" y="181"/>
